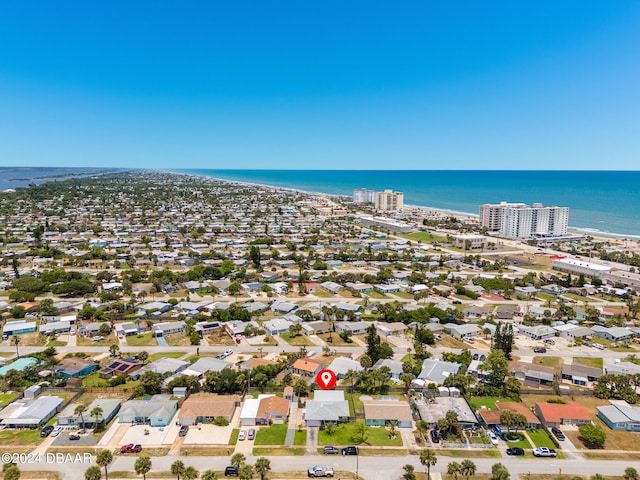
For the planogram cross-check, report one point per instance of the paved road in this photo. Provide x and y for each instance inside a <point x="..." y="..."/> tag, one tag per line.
<point x="369" y="467"/>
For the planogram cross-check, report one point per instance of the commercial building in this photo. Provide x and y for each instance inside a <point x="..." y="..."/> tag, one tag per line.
<point x="364" y="195"/>
<point x="521" y="221"/>
<point x="389" y="201"/>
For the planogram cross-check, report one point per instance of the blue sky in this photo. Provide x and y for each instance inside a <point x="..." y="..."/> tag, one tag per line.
<point x="331" y="84"/>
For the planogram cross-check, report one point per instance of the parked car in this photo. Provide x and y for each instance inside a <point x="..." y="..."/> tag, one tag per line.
<point x="558" y="433"/>
<point x="475" y="356"/>
<point x="46" y="431"/>
<point x="350" y="451"/>
<point x="252" y="434"/>
<point x="515" y="451"/>
<point x="544" y="452"/>
<point x="457" y="302"/>
<point x="550" y="342"/>
<point x="435" y="436"/>
<point x="319" y="471"/>
<point x="74" y="436"/>
<point x="183" y="430"/>
<point x="97" y="338"/>
<point x="482" y="357"/>
<point x="329" y="450"/>
<point x="131" y="448"/>
<point x="231" y="471"/>
<point x="599" y="346"/>
<point x="56" y="431"/>
<point x="540" y="350"/>
<point x="492" y="437"/>
<point x="242" y="435"/>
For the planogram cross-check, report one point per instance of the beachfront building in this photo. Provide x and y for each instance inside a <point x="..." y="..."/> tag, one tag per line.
<point x="520" y="221"/>
<point x="364" y="195"/>
<point x="389" y="201"/>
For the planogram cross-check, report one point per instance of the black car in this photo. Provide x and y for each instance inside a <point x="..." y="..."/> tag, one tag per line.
<point x="183" y="430"/>
<point x="558" y="433"/>
<point x="515" y="451"/>
<point x="476" y="356"/>
<point x="231" y="472"/>
<point x="350" y="451"/>
<point x="540" y="350"/>
<point x="435" y="436"/>
<point x="328" y="450"/>
<point x="46" y="431"/>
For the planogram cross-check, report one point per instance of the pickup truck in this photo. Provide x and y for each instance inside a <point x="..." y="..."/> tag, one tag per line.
<point x="544" y="452"/>
<point x="318" y="471"/>
<point x="131" y="448"/>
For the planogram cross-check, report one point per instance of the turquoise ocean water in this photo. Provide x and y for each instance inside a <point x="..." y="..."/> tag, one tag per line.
<point x="600" y="201"/>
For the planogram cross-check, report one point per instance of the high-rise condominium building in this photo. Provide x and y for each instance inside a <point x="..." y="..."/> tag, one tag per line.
<point x="364" y="195"/>
<point x="521" y="221"/>
<point x="389" y="201"/>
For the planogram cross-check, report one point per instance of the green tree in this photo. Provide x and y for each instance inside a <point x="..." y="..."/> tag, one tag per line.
<point x="428" y="458"/>
<point x="79" y="410"/>
<point x="103" y="459"/>
<point x="245" y="472"/>
<point x="238" y="459"/>
<point x="142" y="466"/>
<point x="593" y="436"/>
<point x="209" y="475"/>
<point x="373" y="344"/>
<point x="597" y="476"/>
<point x="254" y="256"/>
<point x="190" y="473"/>
<point x="365" y="361"/>
<point x="177" y="468"/>
<point x="92" y="473"/>
<point x="453" y="468"/>
<point x="497" y="366"/>
<point x="262" y="467"/>
<point x="12" y="473"/>
<point x="468" y="468"/>
<point x="630" y="473"/>
<point x="409" y="472"/>
<point x="499" y="472"/>
<point x="16" y="341"/>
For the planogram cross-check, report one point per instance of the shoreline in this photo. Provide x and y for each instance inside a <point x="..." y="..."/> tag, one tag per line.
<point x="574" y="230"/>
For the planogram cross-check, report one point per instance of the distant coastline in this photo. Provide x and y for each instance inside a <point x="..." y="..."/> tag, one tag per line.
<point x="601" y="203"/>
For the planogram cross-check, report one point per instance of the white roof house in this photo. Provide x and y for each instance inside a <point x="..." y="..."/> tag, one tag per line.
<point x="29" y="413"/>
<point x="341" y="365"/>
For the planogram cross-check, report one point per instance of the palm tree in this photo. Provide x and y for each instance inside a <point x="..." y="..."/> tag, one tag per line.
<point x="16" y="341"/>
<point x="408" y="472"/>
<point x="393" y="424"/>
<point x="190" y="473"/>
<point x="262" y="466"/>
<point x="103" y="459"/>
<point x="177" y="468"/>
<point x="245" y="472"/>
<point x="209" y="475"/>
<point x="79" y="410"/>
<point x="453" y="468"/>
<point x="468" y="468"/>
<point x="428" y="459"/>
<point x="92" y="473"/>
<point x="96" y="413"/>
<point x="142" y="466"/>
<point x="238" y="459"/>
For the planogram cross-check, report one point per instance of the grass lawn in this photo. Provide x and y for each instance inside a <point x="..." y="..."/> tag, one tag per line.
<point x="589" y="362"/>
<point x="616" y="439"/>
<point x="20" y="437"/>
<point x="322" y="293"/>
<point x="336" y="340"/>
<point x="489" y="402"/>
<point x="616" y="347"/>
<point x="354" y="403"/>
<point x="143" y="340"/>
<point x="217" y="339"/>
<point x="6" y="398"/>
<point x="207" y="451"/>
<point x="424" y="237"/>
<point x="107" y="342"/>
<point x="297" y="341"/>
<point x="377" y="294"/>
<point x="234" y="436"/>
<point x="156" y="356"/>
<point x="450" y="342"/>
<point x="407" y="295"/>
<point x="300" y="437"/>
<point x="540" y="438"/>
<point x="470" y="453"/>
<point x="554" y="362"/>
<point x="282" y="452"/>
<point x="524" y="443"/>
<point x="345" y="433"/>
<point x="273" y="435"/>
<point x="94" y="380"/>
<point x="178" y="340"/>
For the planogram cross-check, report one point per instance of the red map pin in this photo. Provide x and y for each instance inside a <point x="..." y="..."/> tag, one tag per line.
<point x="326" y="379"/>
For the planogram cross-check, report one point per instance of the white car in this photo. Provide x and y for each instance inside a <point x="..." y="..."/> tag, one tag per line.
<point x="97" y="338"/>
<point x="56" y="431"/>
<point x="492" y="437"/>
<point x="227" y="353"/>
<point x="242" y="435"/>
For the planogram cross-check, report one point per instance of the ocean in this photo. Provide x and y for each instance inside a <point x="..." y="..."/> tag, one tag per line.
<point x="600" y="202"/>
<point x="19" y="177"/>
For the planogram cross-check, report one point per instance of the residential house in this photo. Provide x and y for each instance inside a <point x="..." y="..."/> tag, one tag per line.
<point x="580" y="374"/>
<point x="162" y="366"/>
<point x="533" y="374"/>
<point x="75" y="367"/>
<point x="356" y="328"/>
<point x="168" y="328"/>
<point x="626" y="368"/>
<point x="206" y="407"/>
<point x="394" y="366"/>
<point x="331" y="287"/>
<point x="619" y="415"/>
<point x="55" y="328"/>
<point x="200" y="368"/>
<point x="109" y="407"/>
<point x="305" y="367"/>
<point x="126" y="329"/>
<point x="327" y="406"/>
<point x="316" y="328"/>
<point x="273" y="410"/>
<point x="538" y="332"/>
<point x="283" y="307"/>
<point x="557" y="414"/>
<point x="466" y="331"/>
<point x="158" y="411"/>
<point x="615" y="334"/>
<point x="341" y="365"/>
<point x="30" y="413"/>
<point x="119" y="367"/>
<point x="378" y="413"/>
<point x="393" y="328"/>
<point x="436" y="371"/>
<point x="507" y="312"/>
<point x="277" y="326"/>
<point x="19" y="365"/>
<point x="18" y="327"/>
<point x="573" y="332"/>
